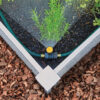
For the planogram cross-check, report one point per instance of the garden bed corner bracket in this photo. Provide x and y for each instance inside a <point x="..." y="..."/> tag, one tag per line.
<point x="48" y="78"/>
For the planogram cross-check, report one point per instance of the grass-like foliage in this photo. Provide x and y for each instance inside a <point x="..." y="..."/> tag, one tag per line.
<point x="7" y="0"/>
<point x="79" y="4"/>
<point x="53" y="26"/>
<point x="96" y="11"/>
<point x="83" y="4"/>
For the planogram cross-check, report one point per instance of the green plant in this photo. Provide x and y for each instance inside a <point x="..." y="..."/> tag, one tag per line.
<point x="53" y="26"/>
<point x="83" y="4"/>
<point x="96" y="22"/>
<point x="78" y="4"/>
<point x="96" y="11"/>
<point x="0" y="2"/>
<point x="8" y="1"/>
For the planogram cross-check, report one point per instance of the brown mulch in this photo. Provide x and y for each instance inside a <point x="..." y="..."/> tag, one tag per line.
<point x="17" y="82"/>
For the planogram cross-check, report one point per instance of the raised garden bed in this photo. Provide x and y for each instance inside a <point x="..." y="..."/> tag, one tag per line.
<point x="81" y="32"/>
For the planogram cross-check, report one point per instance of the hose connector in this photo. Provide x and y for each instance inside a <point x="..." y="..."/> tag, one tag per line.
<point x="51" y="56"/>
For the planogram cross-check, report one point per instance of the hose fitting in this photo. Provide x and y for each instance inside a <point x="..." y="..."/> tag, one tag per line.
<point x="51" y="56"/>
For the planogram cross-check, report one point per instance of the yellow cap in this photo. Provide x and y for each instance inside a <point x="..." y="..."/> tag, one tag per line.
<point x="49" y="50"/>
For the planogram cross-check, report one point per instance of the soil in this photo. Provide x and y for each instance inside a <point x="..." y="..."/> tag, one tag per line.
<point x="17" y="82"/>
<point x="80" y="31"/>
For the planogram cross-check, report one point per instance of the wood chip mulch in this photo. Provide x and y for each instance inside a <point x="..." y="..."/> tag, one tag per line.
<point x="17" y="82"/>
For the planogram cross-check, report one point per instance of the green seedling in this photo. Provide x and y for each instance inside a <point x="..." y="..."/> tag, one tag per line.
<point x="8" y="1"/>
<point x="53" y="26"/>
<point x="83" y="4"/>
<point x="96" y="11"/>
<point x="78" y="4"/>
